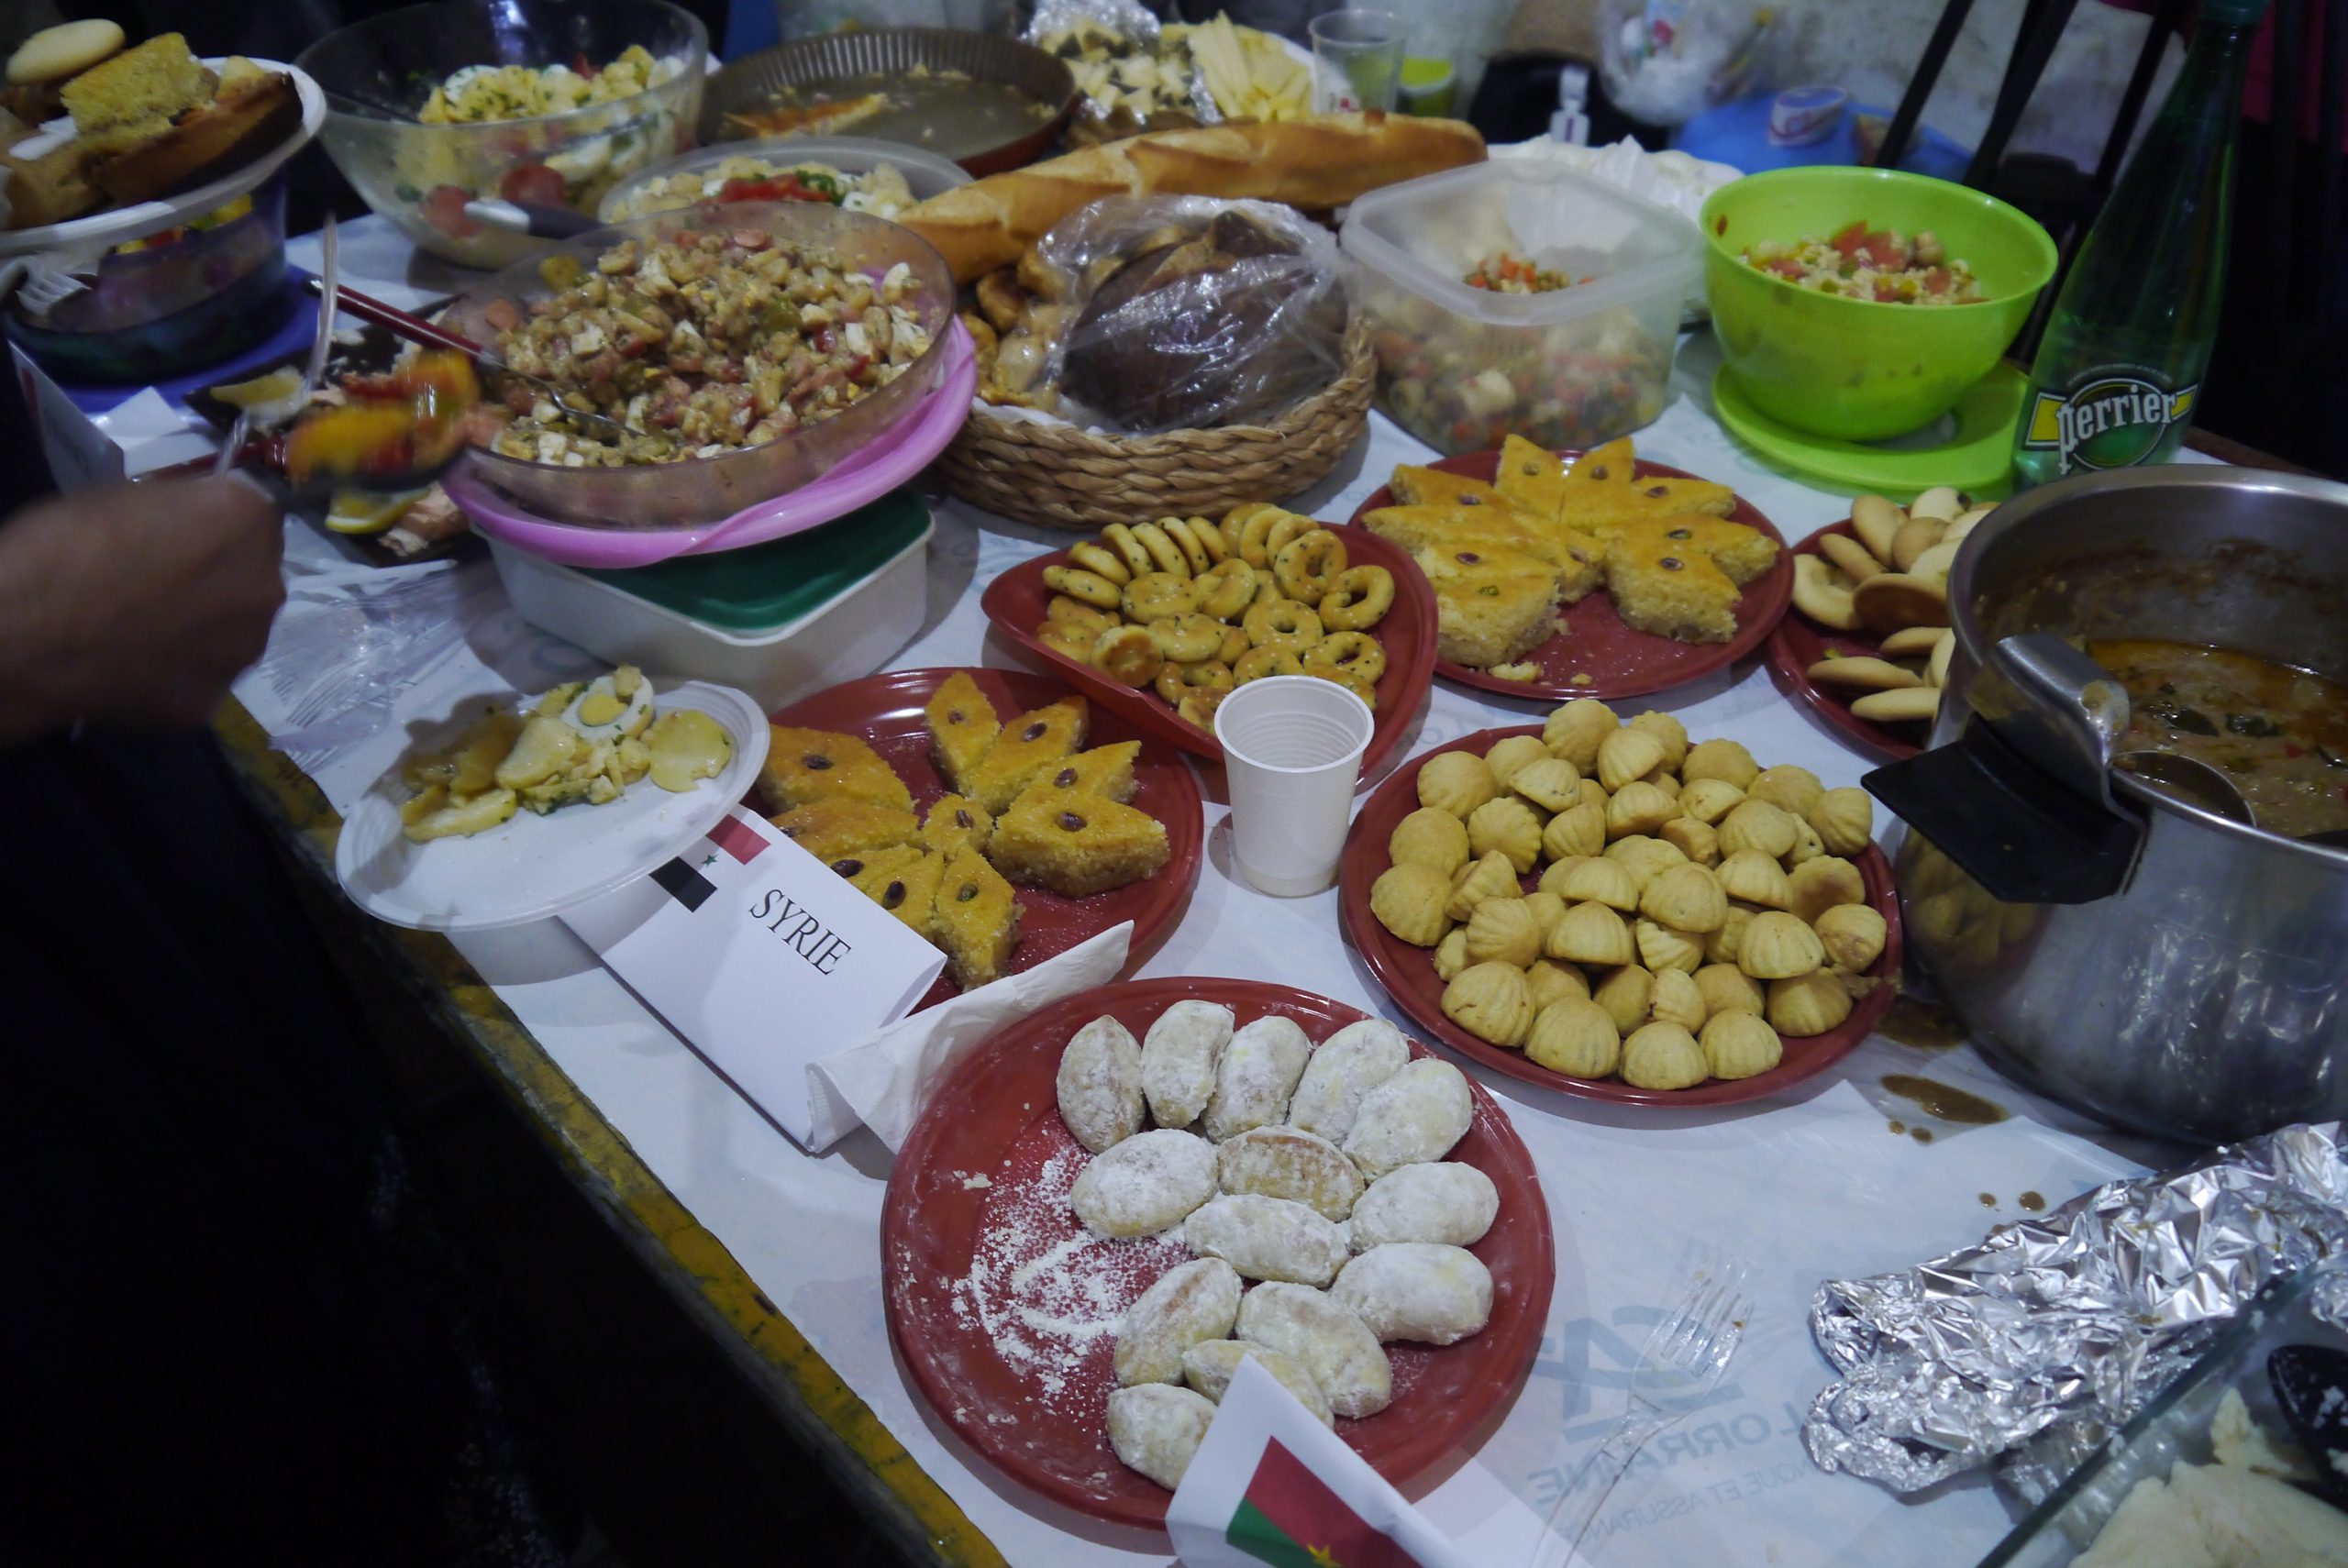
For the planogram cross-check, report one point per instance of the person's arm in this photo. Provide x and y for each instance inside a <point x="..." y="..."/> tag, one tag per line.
<point x="136" y="604"/>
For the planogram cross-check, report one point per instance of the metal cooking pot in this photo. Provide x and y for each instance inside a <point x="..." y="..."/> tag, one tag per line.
<point x="2105" y="939"/>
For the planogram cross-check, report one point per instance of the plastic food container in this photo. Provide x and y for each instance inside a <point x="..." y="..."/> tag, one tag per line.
<point x="1460" y="367"/>
<point x="778" y="620"/>
<point x="420" y="176"/>
<point x="693" y="176"/>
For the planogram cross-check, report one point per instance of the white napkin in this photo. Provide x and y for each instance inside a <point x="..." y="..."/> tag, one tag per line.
<point x="1270" y="1476"/>
<point x="883" y="1080"/>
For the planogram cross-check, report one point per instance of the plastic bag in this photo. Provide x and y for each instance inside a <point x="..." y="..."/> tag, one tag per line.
<point x="1185" y="312"/>
<point x="1132" y="77"/>
<point x="1665" y="61"/>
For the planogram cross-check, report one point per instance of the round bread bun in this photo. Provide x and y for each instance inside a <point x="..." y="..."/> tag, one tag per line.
<point x="66" y="49"/>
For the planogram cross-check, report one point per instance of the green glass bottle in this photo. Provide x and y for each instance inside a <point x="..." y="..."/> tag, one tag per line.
<point x="2120" y="367"/>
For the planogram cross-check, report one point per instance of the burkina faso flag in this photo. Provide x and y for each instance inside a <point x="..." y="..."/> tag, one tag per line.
<point x="1290" y="1519"/>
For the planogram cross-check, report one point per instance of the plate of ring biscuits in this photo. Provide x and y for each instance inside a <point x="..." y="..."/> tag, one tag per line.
<point x="997" y="812"/>
<point x="1559" y="575"/>
<point x="1158" y="622"/>
<point x="1606" y="909"/>
<point x="1867" y="647"/>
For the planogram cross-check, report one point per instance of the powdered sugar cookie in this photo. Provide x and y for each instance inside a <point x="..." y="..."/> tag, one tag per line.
<point x="1416" y="1115"/>
<point x="1099" y="1085"/>
<point x="1349" y="1064"/>
<point x="1417" y="1290"/>
<point x="1156" y="1427"/>
<point x="1192" y="1302"/>
<point x="1266" y="1238"/>
<point x="1257" y="1075"/>
<point x="1210" y="1368"/>
<point x="1178" y="1060"/>
<point x="1148" y="1184"/>
<point x="1282" y="1162"/>
<point x="1447" y="1203"/>
<point x="1327" y="1339"/>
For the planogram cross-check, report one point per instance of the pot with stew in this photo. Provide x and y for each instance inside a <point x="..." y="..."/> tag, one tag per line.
<point x="2167" y="959"/>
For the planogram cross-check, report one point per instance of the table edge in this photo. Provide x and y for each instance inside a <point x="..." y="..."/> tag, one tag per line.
<point x="815" y="1402"/>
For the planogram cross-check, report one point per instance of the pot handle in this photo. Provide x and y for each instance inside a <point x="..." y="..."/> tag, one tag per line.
<point x="2026" y="837"/>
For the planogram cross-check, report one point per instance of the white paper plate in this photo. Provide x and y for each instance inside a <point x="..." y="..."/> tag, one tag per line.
<point x="103" y="230"/>
<point x="532" y="866"/>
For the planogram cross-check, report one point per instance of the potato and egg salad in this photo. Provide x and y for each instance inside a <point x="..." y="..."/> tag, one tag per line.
<point x="585" y="740"/>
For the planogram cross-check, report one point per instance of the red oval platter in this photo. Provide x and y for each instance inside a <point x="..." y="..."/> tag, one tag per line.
<point x="885" y="711"/>
<point x="981" y="1185"/>
<point x="1014" y="601"/>
<point x="1614" y="659"/>
<point x="1407" y="973"/>
<point x="1799" y="642"/>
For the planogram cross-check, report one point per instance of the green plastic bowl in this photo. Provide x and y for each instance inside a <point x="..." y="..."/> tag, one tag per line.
<point x="1857" y="369"/>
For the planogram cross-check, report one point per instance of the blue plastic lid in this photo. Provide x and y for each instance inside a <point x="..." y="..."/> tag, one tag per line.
<point x="1738" y="135"/>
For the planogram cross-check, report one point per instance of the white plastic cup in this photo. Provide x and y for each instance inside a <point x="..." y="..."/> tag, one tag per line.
<point x="1291" y="753"/>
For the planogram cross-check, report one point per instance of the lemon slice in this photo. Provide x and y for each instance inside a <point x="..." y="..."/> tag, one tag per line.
<point x="276" y="386"/>
<point x="369" y="510"/>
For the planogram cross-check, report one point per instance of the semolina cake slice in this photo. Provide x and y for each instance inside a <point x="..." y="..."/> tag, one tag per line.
<point x="1492" y="608"/>
<point x="1028" y="745"/>
<point x="975" y="920"/>
<point x="133" y="98"/>
<point x="817" y="764"/>
<point x="1740" y="552"/>
<point x="1532" y="478"/>
<point x="1659" y="585"/>
<point x="832" y="828"/>
<point x="1106" y="770"/>
<point x="1602" y="492"/>
<point x="962" y="726"/>
<point x="955" y="820"/>
<point x="1416" y="486"/>
<point x="902" y="881"/>
<point x="1076" y="846"/>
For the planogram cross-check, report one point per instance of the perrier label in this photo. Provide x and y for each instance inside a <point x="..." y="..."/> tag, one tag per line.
<point x="2110" y="419"/>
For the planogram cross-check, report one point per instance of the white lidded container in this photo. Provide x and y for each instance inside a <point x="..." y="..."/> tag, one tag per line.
<point x="927" y="174"/>
<point x="1461" y="367"/>
<point x="776" y="620"/>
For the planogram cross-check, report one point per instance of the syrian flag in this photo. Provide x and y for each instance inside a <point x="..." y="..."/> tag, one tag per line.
<point x="1271" y="1484"/>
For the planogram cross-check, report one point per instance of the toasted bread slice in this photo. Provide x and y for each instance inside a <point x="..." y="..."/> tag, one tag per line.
<point x="205" y="141"/>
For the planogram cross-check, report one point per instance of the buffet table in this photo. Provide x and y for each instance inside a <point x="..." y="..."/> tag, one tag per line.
<point x="776" y="1253"/>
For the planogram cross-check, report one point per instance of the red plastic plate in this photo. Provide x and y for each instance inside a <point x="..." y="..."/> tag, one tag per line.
<point x="1014" y="601"/>
<point x="1407" y="973"/>
<point x="1614" y="659"/>
<point x="885" y="711"/>
<point x="1799" y="642"/>
<point x="991" y="1153"/>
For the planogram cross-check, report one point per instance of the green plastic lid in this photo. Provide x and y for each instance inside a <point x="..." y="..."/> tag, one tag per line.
<point x="776" y="582"/>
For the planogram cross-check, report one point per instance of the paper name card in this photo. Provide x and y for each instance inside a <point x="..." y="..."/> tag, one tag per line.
<point x="762" y="957"/>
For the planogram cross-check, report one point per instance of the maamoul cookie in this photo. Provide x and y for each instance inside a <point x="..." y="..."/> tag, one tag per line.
<point x="1431" y="837"/>
<point x="1490" y="1001"/>
<point x="1342" y="1072"/>
<point x="1662" y="1056"/>
<point x="1491" y="877"/>
<point x="1178" y="1060"/>
<point x="1624" y="995"/>
<point x="1190" y="1304"/>
<point x="1292" y="1163"/>
<point x="1258" y="1071"/>
<point x="1411" y="899"/>
<point x="1266" y="1238"/>
<point x="1148" y="1183"/>
<point x="1416" y="1115"/>
<point x="1808" y="1004"/>
<point x="1210" y="1366"/>
<point x="1741" y="1045"/>
<point x="1443" y="1201"/>
<point x="1327" y="1340"/>
<point x="1457" y="782"/>
<point x="1852" y="935"/>
<point x="1574" y="1036"/>
<point x="1504" y="931"/>
<point x="1422" y="1291"/>
<point x="1155" y="1428"/>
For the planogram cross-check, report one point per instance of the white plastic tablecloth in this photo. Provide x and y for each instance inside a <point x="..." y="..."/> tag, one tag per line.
<point x="1813" y="1184"/>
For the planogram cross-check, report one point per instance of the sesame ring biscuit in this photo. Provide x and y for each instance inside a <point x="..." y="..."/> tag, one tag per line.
<point x="1227" y="587"/>
<point x="1186" y="639"/>
<point x="1101" y="562"/>
<point x="1286" y="527"/>
<point x="1198" y="708"/>
<point x="1120" y="538"/>
<point x="1255" y="521"/>
<point x="1128" y="655"/>
<point x="1283" y="624"/>
<point x="1308" y="566"/>
<point x="1359" y="598"/>
<point x="1261" y="662"/>
<point x="1163" y="552"/>
<point x="1194" y="554"/>
<point x="1234" y="645"/>
<point x="1348" y="679"/>
<point x="1158" y="596"/>
<point x="1179" y="681"/>
<point x="1210" y="539"/>
<point x="1088" y="586"/>
<point x="1350" y="653"/>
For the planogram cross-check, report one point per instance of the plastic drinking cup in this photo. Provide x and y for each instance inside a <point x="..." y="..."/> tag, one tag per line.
<point x="1291" y="754"/>
<point x="1356" y="60"/>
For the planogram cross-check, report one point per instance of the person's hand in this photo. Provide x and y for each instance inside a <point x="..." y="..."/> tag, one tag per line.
<point x="136" y="604"/>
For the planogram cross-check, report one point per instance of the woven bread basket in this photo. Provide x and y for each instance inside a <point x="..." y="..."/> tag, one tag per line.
<point x="1061" y="477"/>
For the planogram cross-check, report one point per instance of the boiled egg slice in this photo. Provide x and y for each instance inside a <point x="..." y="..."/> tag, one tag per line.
<point x="611" y="707"/>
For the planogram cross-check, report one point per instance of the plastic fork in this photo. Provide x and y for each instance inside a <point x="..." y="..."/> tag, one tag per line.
<point x="1676" y="1372"/>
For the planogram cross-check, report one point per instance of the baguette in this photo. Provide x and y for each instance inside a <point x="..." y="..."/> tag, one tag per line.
<point x="1317" y="163"/>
